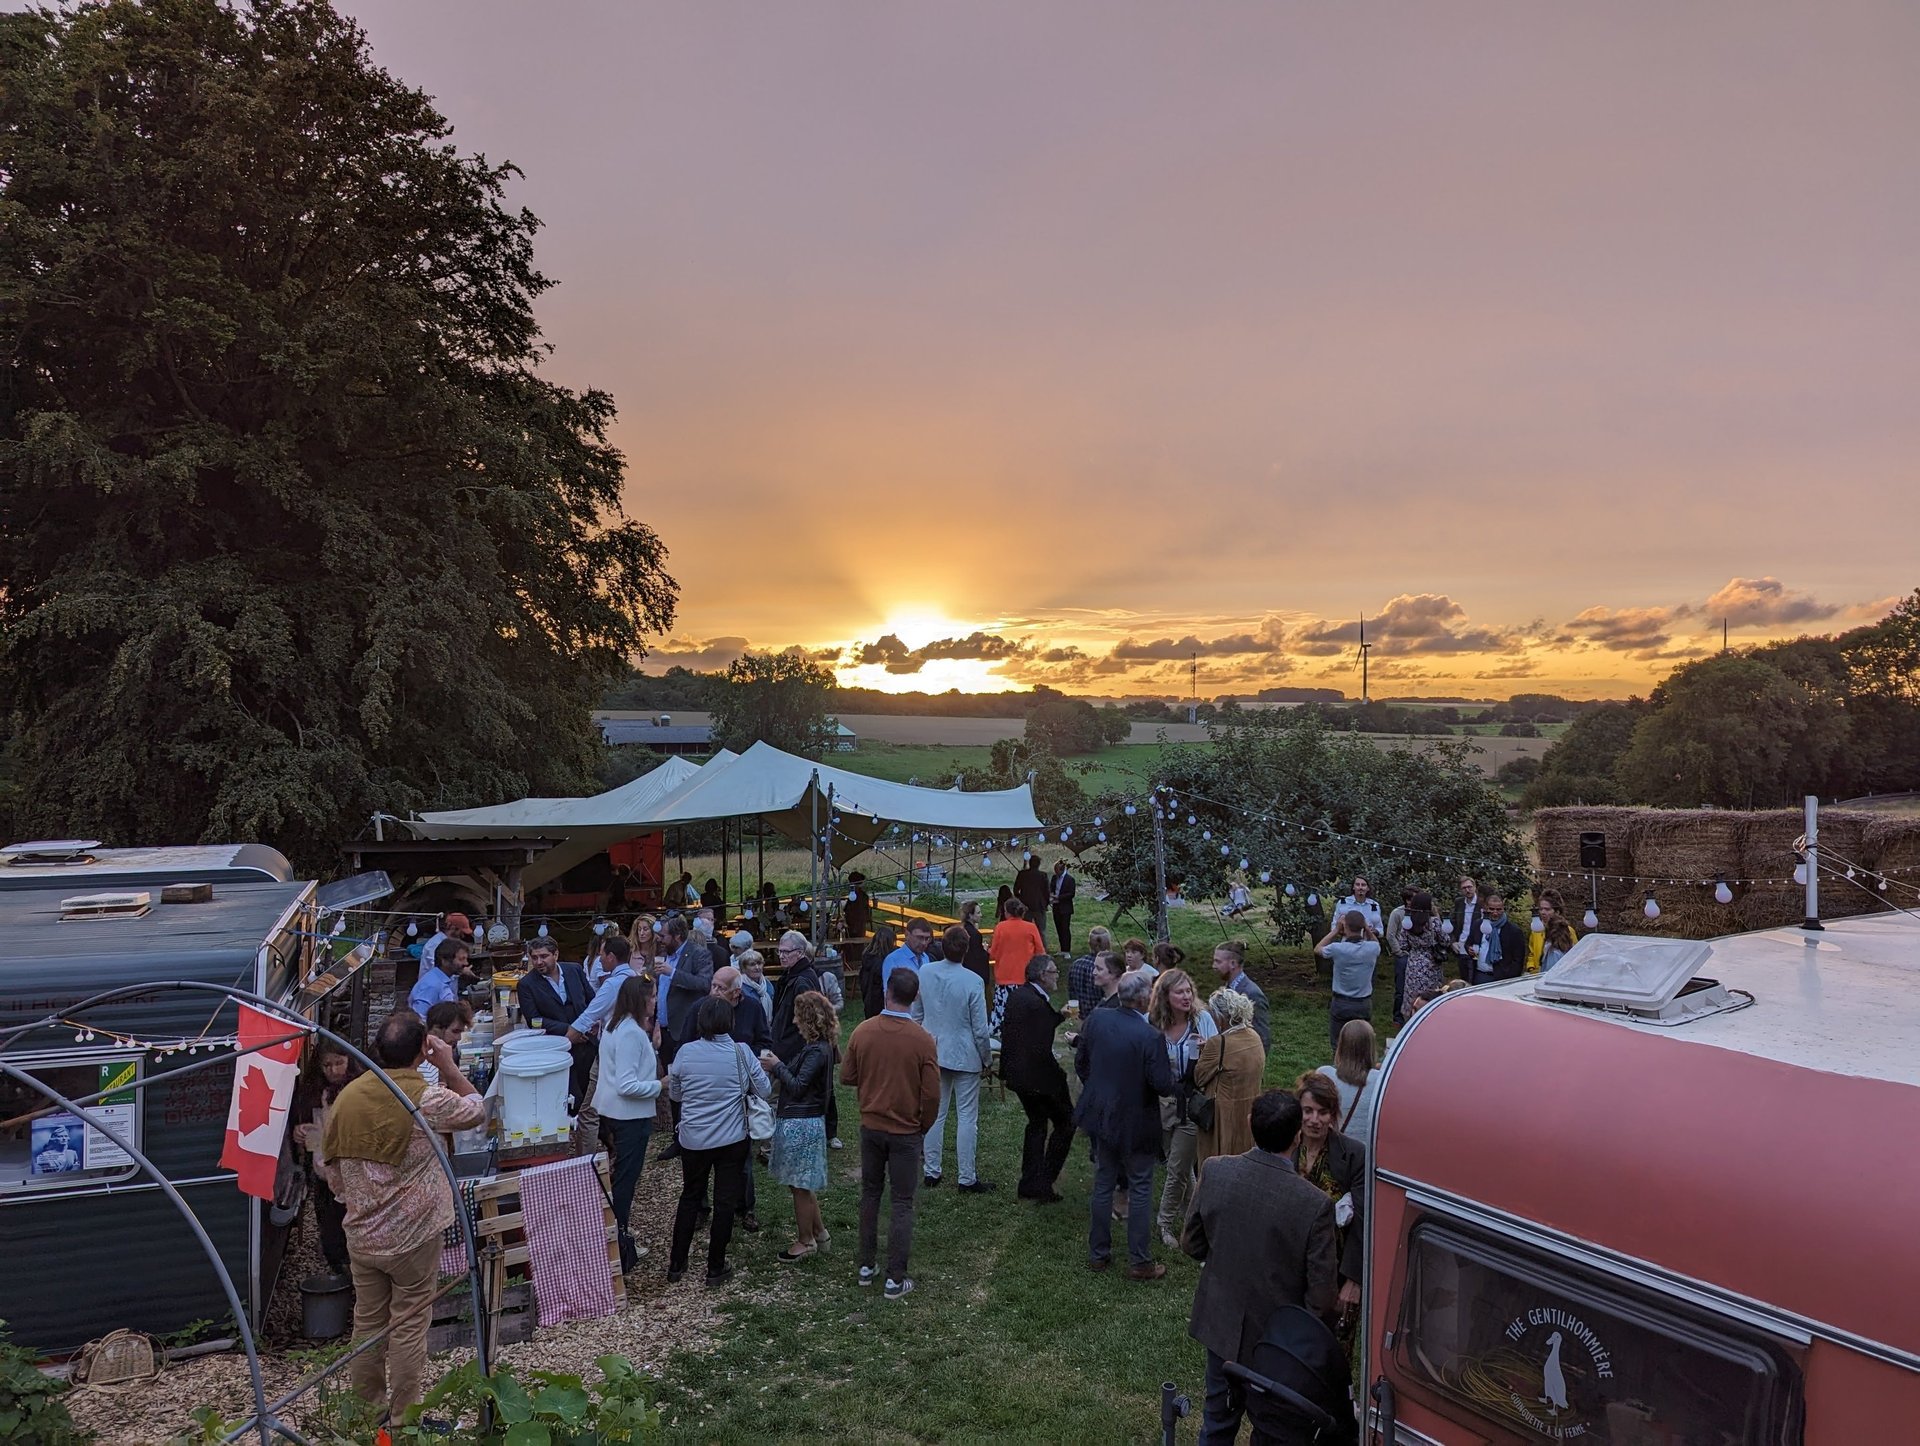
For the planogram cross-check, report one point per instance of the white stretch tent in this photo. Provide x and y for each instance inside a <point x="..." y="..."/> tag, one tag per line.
<point x="581" y="827"/>
<point x="781" y="788"/>
<point x="762" y="782"/>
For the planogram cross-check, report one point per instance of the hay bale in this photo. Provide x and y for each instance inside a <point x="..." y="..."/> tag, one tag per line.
<point x="1766" y="848"/>
<point x="1556" y="834"/>
<point x="1893" y="844"/>
<point x="1691" y="845"/>
<point x="1769" y="907"/>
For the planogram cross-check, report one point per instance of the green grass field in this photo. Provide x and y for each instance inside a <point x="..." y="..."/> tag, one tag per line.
<point x="1119" y="768"/>
<point x="1007" y="1336"/>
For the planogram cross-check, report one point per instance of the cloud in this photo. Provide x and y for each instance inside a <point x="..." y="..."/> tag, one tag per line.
<point x="1180" y="649"/>
<point x="702" y="655"/>
<point x="1517" y="668"/>
<point x="1627" y="630"/>
<point x="895" y="656"/>
<point x="1430" y="623"/>
<point x="1748" y="602"/>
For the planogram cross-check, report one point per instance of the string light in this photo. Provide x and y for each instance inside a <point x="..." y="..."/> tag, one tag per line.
<point x="1721" y="893"/>
<point x="1652" y="907"/>
<point x="1590" y="919"/>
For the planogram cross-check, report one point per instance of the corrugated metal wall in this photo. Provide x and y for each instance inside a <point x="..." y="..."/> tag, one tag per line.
<point x="126" y="1258"/>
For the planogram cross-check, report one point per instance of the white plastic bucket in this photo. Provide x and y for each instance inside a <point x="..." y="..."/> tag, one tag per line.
<point x="532" y="1084"/>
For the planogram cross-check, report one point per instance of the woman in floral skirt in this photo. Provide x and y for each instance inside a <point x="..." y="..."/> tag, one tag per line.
<point x="799" y="1158"/>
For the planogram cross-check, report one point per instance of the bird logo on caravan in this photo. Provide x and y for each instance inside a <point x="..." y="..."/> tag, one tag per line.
<point x="1557" y="1339"/>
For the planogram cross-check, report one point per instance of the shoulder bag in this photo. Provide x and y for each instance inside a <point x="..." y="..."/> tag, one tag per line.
<point x="759" y="1111"/>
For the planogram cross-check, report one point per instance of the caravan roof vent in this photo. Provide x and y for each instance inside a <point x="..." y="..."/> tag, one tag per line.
<point x="1652" y="980"/>
<point x="51" y="851"/>
<point x="128" y="905"/>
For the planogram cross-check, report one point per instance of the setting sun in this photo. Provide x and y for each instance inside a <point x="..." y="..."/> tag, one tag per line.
<point x="917" y="624"/>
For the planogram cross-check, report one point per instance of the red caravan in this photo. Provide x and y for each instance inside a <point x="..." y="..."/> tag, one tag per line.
<point x="1687" y="1218"/>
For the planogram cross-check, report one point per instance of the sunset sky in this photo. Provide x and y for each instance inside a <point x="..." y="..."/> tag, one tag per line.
<point x="983" y="344"/>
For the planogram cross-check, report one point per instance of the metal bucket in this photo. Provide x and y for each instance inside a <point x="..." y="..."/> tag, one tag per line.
<point x="326" y="1306"/>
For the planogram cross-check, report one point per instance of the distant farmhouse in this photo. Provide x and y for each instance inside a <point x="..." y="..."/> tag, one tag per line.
<point x="662" y="735"/>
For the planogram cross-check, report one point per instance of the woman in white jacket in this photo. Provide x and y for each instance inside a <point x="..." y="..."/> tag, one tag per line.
<point x="627" y="1096"/>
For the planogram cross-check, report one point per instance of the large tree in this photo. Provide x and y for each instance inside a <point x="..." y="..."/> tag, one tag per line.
<point x="291" y="528"/>
<point x="775" y="698"/>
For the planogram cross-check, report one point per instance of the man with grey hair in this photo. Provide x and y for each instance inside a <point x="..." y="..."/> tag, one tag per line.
<point x="1122" y="1063"/>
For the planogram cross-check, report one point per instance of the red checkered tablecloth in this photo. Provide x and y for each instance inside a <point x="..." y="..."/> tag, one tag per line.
<point x="566" y="1225"/>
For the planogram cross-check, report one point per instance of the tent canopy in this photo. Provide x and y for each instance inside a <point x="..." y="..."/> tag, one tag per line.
<point x="763" y="782"/>
<point x="781" y="788"/>
<point x="584" y="826"/>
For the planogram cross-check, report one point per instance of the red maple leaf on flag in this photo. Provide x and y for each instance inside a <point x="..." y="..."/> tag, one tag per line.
<point x="256" y="1100"/>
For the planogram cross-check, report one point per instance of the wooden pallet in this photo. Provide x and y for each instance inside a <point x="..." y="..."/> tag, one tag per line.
<point x="499" y="1234"/>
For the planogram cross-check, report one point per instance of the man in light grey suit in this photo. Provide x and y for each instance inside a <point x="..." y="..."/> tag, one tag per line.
<point x="952" y="1007"/>
<point x="1266" y="1239"/>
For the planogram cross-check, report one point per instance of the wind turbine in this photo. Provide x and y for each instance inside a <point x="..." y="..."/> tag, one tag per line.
<point x="1361" y="658"/>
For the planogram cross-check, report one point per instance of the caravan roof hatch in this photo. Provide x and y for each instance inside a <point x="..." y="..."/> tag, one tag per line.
<point x="1651" y="980"/>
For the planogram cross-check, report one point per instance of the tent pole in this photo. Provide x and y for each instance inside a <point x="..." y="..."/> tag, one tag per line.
<point x="760" y="862"/>
<point x="826" y="867"/>
<point x="813" y="855"/>
<point x="721" y="922"/>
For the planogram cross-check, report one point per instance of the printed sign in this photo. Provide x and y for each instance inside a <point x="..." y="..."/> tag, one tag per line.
<point x="1572" y="1362"/>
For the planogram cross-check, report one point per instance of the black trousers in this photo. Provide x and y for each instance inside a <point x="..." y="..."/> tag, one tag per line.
<point x="1043" y="1156"/>
<point x="726" y="1165"/>
<point x="889" y="1163"/>
<point x="1346" y="1007"/>
<point x="1063" y="926"/>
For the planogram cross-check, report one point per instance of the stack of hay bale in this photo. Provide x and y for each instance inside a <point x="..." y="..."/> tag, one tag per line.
<point x="1557" y="833"/>
<point x="1681" y="855"/>
<point x="1766" y="855"/>
<point x="1894" y="846"/>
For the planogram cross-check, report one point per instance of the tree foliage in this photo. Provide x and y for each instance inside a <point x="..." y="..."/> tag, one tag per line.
<point x="1309" y="807"/>
<point x="1579" y="767"/>
<point x="1057" y="795"/>
<point x="291" y="528"/>
<point x="1063" y="726"/>
<point x="776" y="698"/>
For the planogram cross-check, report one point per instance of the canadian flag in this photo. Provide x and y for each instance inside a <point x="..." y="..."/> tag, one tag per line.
<point x="262" y="1095"/>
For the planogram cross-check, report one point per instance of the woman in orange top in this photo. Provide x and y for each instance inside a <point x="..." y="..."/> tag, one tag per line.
<point x="1015" y="941"/>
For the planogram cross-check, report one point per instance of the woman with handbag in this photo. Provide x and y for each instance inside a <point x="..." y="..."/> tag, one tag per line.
<point x="627" y="1095"/>
<point x="799" y="1129"/>
<point x="1176" y="1013"/>
<point x="1228" y="1075"/>
<point x="712" y="1079"/>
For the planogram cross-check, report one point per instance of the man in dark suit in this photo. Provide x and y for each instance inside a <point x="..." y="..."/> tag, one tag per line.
<point x="1031" y="888"/>
<point x="1503" y="945"/>
<point x="689" y="964"/>
<point x="1467" y="913"/>
<point x="1065" y="886"/>
<point x="1028" y="1068"/>
<point x="1122" y="1063"/>
<point x="552" y="995"/>
<point x="1265" y="1238"/>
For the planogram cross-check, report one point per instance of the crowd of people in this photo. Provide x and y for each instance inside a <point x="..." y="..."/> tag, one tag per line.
<point x="678" y="1035"/>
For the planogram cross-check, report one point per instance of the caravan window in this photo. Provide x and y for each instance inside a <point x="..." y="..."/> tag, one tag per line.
<point x="1544" y="1350"/>
<point x="44" y="1147"/>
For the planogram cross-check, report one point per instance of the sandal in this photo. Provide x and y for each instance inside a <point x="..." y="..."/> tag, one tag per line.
<point x="790" y="1255"/>
<point x="822" y="1240"/>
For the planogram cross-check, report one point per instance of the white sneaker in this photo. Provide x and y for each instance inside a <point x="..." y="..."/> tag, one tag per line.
<point x="834" y="1144"/>
<point x="868" y="1274"/>
<point x="898" y="1288"/>
<point x="1170" y="1240"/>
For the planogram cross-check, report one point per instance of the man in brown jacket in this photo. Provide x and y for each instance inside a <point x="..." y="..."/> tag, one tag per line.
<point x="1266" y="1239"/>
<point x="893" y="1066"/>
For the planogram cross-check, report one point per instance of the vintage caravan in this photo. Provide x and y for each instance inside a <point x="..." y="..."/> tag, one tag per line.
<point x="1664" y="1195"/>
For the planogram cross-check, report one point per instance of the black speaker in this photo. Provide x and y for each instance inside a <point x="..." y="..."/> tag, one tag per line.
<point x="1593" y="851"/>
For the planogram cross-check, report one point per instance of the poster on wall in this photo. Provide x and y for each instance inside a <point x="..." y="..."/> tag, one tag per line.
<point x="116" y="1112"/>
<point x="59" y="1145"/>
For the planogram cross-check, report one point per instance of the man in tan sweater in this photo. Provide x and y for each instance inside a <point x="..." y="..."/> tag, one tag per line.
<point x="893" y="1066"/>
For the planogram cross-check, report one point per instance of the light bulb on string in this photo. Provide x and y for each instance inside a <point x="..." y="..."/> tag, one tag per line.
<point x="1651" y="908"/>
<point x="1266" y="876"/>
<point x="413" y="929"/>
<point x="1800" y="873"/>
<point x="1243" y="865"/>
<point x="599" y="926"/>
<point x="986" y="861"/>
<point x="541" y="932"/>
<point x="1191" y="819"/>
<point x="1722" y="894"/>
<point x="1291" y="891"/>
<point x="1103" y="838"/>
<point x="1130" y="810"/>
<point x="1313" y="901"/>
<point x="1883" y="885"/>
<point x="1097" y="820"/>
<point x="1039" y="838"/>
<point x="1590" y="919"/>
<point x="1538" y="926"/>
<point x="1446" y="928"/>
<point x="1225" y="851"/>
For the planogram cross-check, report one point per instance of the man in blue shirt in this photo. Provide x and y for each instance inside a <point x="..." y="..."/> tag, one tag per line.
<point x="910" y="955"/>
<point x="439" y="981"/>
<point x="616" y="955"/>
